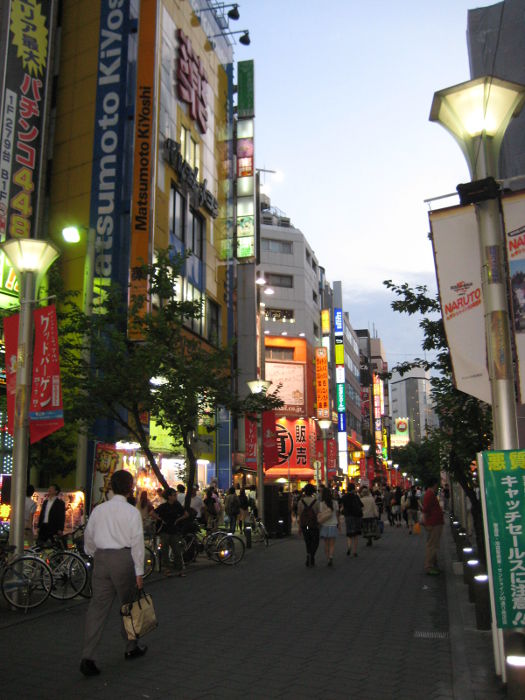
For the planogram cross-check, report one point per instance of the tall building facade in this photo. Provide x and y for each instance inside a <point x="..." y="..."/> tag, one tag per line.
<point x="411" y="401"/>
<point x="137" y="137"/>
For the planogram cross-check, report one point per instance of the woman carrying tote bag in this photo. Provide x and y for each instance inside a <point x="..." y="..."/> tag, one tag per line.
<point x="328" y="519"/>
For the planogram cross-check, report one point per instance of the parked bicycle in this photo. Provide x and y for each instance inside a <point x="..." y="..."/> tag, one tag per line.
<point x="68" y="568"/>
<point x="259" y="533"/>
<point x="26" y="581"/>
<point x="221" y="546"/>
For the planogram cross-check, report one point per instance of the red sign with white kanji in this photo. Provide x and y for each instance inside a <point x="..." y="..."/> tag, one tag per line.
<point x="45" y="410"/>
<point x="250" y="439"/>
<point x="192" y="81"/>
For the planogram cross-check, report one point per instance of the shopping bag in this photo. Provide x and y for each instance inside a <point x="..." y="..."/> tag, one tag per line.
<point x="139" y="617"/>
<point x="416" y="529"/>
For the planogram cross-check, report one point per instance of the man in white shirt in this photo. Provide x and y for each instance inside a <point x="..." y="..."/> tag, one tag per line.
<point x="196" y="503"/>
<point x="115" y="538"/>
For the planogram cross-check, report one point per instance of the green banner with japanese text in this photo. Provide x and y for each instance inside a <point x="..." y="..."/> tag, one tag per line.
<point x="504" y="491"/>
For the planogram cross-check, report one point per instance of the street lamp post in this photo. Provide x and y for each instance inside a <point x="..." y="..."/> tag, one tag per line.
<point x="325" y="426"/>
<point x="30" y="258"/>
<point x="259" y="386"/>
<point x="477" y="114"/>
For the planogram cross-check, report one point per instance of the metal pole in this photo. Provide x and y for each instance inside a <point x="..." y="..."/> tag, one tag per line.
<point x="21" y="428"/>
<point x="82" y="438"/>
<point x="260" y="470"/>
<point x="325" y="455"/>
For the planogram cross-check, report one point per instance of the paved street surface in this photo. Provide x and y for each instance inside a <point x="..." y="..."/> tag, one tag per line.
<point x="372" y="627"/>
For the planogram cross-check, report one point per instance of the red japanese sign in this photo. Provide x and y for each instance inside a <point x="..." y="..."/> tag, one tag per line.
<point x="250" y="439"/>
<point x="321" y="380"/>
<point x="270" y="452"/>
<point x="45" y="411"/>
<point x="11" y="352"/>
<point x="192" y="81"/>
<point x="331" y="458"/>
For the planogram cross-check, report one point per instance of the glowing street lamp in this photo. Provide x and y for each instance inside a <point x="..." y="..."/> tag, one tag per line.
<point x="31" y="259"/>
<point x="477" y="114"/>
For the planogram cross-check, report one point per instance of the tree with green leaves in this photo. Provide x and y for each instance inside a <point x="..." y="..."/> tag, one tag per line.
<point x="166" y="372"/>
<point x="465" y="423"/>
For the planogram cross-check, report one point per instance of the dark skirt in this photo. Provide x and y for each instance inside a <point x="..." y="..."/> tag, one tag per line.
<point x="353" y="525"/>
<point x="370" y="527"/>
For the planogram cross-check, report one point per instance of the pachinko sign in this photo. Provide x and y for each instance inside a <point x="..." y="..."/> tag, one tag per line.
<point x="503" y="498"/>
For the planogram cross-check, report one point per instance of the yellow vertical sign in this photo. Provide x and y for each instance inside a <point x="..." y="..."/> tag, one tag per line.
<point x="142" y="193"/>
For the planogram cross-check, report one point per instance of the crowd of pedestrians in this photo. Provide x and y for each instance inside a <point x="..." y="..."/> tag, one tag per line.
<point x="323" y="514"/>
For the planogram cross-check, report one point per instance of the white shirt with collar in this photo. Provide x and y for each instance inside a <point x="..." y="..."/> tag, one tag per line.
<point x="116" y="524"/>
<point x="49" y="504"/>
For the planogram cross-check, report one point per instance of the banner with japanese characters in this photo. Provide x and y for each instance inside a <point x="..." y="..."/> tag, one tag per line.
<point x="269" y="438"/>
<point x="23" y="115"/>
<point x="45" y="410"/>
<point x="503" y="480"/>
<point x="455" y="241"/>
<point x="250" y="440"/>
<point x="11" y="324"/>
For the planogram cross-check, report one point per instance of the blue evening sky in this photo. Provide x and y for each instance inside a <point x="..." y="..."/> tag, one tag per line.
<point x="343" y="94"/>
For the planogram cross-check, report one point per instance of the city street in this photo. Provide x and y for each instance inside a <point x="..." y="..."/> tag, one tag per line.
<point x="371" y="627"/>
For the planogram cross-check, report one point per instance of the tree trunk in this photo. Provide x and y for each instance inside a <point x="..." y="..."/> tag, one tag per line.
<point x="192" y="469"/>
<point x="460" y="477"/>
<point x="142" y="439"/>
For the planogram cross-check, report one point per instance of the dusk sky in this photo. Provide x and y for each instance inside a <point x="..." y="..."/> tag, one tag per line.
<point x="343" y="94"/>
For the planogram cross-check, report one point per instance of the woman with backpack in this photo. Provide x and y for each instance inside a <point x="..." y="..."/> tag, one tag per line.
<point x="307" y="509"/>
<point x="329" y="517"/>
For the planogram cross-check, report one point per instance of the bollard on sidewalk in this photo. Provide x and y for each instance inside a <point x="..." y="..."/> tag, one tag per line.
<point x="248" y="536"/>
<point x="515" y="666"/>
<point x="482" y="602"/>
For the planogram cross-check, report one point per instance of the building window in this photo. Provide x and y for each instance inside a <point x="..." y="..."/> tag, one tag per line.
<point x="176" y="215"/>
<point x="316" y="330"/>
<point x="189" y="148"/>
<point x="191" y="293"/>
<point x="197" y="233"/>
<point x="280" y="280"/>
<point x="272" y="353"/>
<point x="282" y="315"/>
<point x="271" y="245"/>
<point x="212" y="322"/>
<point x="315" y="298"/>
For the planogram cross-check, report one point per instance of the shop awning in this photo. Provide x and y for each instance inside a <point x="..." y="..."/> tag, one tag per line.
<point x="283" y="472"/>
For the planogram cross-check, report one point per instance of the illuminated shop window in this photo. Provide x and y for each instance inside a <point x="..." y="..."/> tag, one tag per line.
<point x="281" y="315"/>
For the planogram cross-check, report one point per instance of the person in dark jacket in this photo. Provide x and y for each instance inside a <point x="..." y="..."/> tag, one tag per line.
<point x="353" y="512"/>
<point x="52" y="516"/>
<point x="170" y="516"/>
<point x="307" y="509"/>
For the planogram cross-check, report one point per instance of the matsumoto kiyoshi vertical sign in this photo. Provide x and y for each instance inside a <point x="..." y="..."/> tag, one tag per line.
<point x="503" y="479"/>
<point x="111" y="259"/>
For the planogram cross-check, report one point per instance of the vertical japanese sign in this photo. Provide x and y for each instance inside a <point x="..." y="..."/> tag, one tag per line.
<point x="250" y="439"/>
<point x="23" y="116"/>
<point x="269" y="438"/>
<point x="45" y="410"/>
<point x="143" y="171"/>
<point x="11" y="324"/>
<point x="321" y="383"/>
<point x="246" y="245"/>
<point x="503" y="482"/>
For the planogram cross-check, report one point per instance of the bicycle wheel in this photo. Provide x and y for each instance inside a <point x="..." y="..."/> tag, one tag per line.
<point x="69" y="575"/>
<point x="26" y="582"/>
<point x="189" y="553"/>
<point x="259" y="534"/>
<point x="211" y="546"/>
<point x="149" y="562"/>
<point x="230" y="549"/>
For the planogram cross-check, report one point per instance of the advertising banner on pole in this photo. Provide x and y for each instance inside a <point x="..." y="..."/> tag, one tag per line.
<point x="269" y="433"/>
<point x="514" y="217"/>
<point x="250" y="439"/>
<point x="45" y="409"/>
<point x="503" y="493"/>
<point x="455" y="241"/>
<point x="11" y="324"/>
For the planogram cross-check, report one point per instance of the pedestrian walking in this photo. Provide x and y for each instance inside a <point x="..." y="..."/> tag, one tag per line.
<point x="244" y="504"/>
<point x="387" y="502"/>
<point x="446" y="498"/>
<point x="328" y="512"/>
<point x="433" y="524"/>
<point x="145" y="508"/>
<point x="369" y="522"/>
<point x="114" y="537"/>
<point x="353" y="513"/>
<point x="412" y="508"/>
<point x="29" y="514"/>
<point x="396" y="506"/>
<point x="307" y="510"/>
<point x="232" y="507"/>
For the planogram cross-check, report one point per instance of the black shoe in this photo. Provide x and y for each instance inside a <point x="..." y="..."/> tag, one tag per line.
<point x="136" y="652"/>
<point x="312" y="560"/>
<point x="330" y="562"/>
<point x="369" y="543"/>
<point x="88" y="668"/>
<point x="307" y="560"/>
<point x="347" y="552"/>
